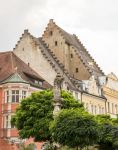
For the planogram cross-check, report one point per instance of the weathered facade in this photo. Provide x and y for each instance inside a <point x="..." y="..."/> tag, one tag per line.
<point x="60" y="52"/>
<point x="55" y="52"/>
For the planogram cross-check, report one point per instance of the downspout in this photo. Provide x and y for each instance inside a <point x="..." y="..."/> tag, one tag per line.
<point x="81" y="96"/>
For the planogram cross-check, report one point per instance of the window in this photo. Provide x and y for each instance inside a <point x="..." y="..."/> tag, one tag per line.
<point x="38" y="82"/>
<point x="95" y="109"/>
<point x="92" y="109"/>
<point x="76" y="70"/>
<point x="112" y="108"/>
<point x="50" y="33"/>
<point x="102" y="110"/>
<point x="76" y="95"/>
<point x="99" y="109"/>
<point x="116" y="108"/>
<point x="15" y="96"/>
<point x="71" y="55"/>
<point x="87" y="107"/>
<point x="7" y="96"/>
<point x="55" y="43"/>
<point x="23" y="94"/>
<point x="7" y="121"/>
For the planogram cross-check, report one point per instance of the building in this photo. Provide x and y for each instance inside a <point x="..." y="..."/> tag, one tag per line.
<point x="55" y="52"/>
<point x="60" y="52"/>
<point x="17" y="81"/>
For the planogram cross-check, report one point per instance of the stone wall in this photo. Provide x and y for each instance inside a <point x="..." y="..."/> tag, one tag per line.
<point x="30" y="53"/>
<point x="65" y="52"/>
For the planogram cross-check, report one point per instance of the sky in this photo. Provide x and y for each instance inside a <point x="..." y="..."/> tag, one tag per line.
<point x="95" y="22"/>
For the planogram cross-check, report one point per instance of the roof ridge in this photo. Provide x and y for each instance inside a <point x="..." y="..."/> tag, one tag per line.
<point x="26" y="32"/>
<point x="73" y="40"/>
<point x="60" y="65"/>
<point x="76" y="37"/>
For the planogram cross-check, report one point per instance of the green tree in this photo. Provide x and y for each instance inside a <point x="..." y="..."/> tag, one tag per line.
<point x="33" y="116"/>
<point x="75" y="128"/>
<point x="108" y="129"/>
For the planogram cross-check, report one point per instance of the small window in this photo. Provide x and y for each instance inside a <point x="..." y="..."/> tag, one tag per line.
<point x="7" y="96"/>
<point x="112" y="108"/>
<point x="6" y="122"/>
<point x="71" y="55"/>
<point x="55" y="43"/>
<point x="23" y="94"/>
<point x="77" y="70"/>
<point x="87" y="107"/>
<point x="50" y="33"/>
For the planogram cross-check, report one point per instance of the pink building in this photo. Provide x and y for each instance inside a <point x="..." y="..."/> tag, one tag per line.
<point x="17" y="81"/>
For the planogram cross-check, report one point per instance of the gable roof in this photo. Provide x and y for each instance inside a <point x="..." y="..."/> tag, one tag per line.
<point x="81" y="51"/>
<point x="15" y="78"/>
<point x="112" y="76"/>
<point x="49" y="56"/>
<point x="12" y="68"/>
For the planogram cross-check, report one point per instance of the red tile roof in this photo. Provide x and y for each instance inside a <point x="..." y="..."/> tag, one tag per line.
<point x="10" y="63"/>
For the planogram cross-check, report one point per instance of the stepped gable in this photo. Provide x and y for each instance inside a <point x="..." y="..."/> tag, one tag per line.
<point x="53" y="60"/>
<point x="10" y="64"/>
<point x="80" y="50"/>
<point x="49" y="55"/>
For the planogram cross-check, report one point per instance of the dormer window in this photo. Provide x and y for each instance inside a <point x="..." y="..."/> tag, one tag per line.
<point x="38" y="82"/>
<point x="56" y="43"/>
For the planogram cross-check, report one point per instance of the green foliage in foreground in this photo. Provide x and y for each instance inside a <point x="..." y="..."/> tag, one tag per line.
<point x="33" y="116"/>
<point x="108" y="129"/>
<point x="75" y="128"/>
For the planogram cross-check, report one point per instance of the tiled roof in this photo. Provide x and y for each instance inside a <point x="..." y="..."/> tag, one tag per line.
<point x="10" y="64"/>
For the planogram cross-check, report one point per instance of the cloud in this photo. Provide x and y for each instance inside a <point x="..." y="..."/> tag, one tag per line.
<point x="94" y="21"/>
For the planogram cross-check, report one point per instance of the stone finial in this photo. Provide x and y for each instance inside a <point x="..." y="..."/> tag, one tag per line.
<point x="26" y="31"/>
<point x="51" y="21"/>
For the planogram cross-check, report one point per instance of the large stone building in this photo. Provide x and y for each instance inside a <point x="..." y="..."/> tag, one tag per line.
<point x="55" y="52"/>
<point x="60" y="52"/>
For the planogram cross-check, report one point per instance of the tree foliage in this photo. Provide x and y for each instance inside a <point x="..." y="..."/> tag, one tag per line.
<point x="33" y="116"/>
<point x="75" y="128"/>
<point x="108" y="129"/>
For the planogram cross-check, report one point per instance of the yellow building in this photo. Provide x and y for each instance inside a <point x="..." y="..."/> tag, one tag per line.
<point x="110" y="91"/>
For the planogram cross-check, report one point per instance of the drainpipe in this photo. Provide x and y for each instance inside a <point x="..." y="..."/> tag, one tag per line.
<point x="81" y="96"/>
